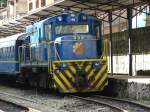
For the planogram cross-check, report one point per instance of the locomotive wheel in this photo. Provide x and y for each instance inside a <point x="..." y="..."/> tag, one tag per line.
<point x="30" y="80"/>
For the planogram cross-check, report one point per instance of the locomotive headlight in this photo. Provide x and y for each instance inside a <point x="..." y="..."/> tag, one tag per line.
<point x="73" y="15"/>
<point x="73" y="19"/>
<point x="96" y="65"/>
<point x="64" y="65"/>
<point x="60" y="18"/>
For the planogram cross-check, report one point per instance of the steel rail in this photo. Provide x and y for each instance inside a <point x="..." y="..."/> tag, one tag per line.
<point x="16" y="105"/>
<point x="124" y="101"/>
<point x="115" y="108"/>
<point x="28" y="109"/>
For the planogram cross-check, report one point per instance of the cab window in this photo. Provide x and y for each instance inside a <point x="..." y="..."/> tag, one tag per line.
<point x="67" y="29"/>
<point x="47" y="29"/>
<point x="97" y="29"/>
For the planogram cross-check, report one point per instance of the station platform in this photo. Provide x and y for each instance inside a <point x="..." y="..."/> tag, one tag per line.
<point x="138" y="79"/>
<point x="124" y="86"/>
<point x="127" y="76"/>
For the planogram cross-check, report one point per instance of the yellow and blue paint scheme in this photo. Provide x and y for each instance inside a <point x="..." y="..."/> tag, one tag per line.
<point x="80" y="75"/>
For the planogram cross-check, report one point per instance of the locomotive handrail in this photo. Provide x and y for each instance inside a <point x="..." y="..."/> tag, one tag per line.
<point x="103" y="58"/>
<point x="105" y="50"/>
<point x="49" y="61"/>
<point x="77" y="40"/>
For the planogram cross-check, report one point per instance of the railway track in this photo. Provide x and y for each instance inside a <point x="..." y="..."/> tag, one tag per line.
<point x="17" y="106"/>
<point x="105" y="104"/>
<point x="116" y="104"/>
<point x="8" y="106"/>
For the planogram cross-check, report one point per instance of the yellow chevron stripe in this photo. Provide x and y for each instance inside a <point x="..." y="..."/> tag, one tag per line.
<point x="87" y="68"/>
<point x="102" y="88"/>
<point x="82" y="63"/>
<point x="99" y="73"/>
<point x="91" y="73"/>
<point x="72" y="69"/>
<point x="54" y="66"/>
<point x="101" y="81"/>
<point x="60" y="83"/>
<point x="69" y="75"/>
<point x="66" y="81"/>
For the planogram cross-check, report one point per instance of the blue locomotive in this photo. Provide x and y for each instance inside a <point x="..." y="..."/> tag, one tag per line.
<point x="63" y="52"/>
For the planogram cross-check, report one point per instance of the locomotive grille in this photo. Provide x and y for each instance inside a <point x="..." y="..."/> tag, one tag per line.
<point x="67" y="79"/>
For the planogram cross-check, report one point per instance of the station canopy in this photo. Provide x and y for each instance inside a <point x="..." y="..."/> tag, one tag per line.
<point x="93" y="7"/>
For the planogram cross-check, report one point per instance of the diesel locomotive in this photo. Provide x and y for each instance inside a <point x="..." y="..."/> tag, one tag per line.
<point x="63" y="52"/>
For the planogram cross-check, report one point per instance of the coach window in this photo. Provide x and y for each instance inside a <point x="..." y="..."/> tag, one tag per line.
<point x="97" y="29"/>
<point x="7" y="52"/>
<point x="40" y="35"/>
<point x="47" y="29"/>
<point x="12" y="48"/>
<point x="0" y="52"/>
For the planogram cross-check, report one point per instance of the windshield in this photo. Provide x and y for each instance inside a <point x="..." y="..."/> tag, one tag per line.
<point x="66" y="29"/>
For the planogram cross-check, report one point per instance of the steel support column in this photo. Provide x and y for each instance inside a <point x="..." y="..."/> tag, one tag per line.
<point x="110" y="37"/>
<point x="129" y="16"/>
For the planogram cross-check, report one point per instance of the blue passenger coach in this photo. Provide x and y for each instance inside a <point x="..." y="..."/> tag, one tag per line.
<point x="9" y="64"/>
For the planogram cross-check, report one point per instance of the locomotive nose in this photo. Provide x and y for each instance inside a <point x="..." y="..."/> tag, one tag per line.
<point x="81" y="79"/>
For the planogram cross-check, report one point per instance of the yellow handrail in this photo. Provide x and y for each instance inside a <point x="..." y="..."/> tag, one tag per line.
<point x="103" y="57"/>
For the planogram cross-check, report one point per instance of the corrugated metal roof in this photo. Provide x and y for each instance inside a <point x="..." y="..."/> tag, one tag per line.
<point x="86" y="6"/>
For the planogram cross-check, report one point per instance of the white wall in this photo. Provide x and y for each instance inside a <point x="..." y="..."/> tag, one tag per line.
<point x="121" y="63"/>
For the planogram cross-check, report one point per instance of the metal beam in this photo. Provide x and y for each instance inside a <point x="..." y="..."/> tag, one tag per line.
<point x="110" y="37"/>
<point x="129" y="15"/>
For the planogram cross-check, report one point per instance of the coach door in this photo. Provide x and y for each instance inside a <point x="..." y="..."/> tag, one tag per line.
<point x="25" y="51"/>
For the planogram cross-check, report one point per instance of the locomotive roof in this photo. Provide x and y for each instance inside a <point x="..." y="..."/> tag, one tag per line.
<point x="65" y="13"/>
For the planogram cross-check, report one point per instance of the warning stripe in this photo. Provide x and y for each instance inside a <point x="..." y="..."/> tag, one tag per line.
<point x="105" y="82"/>
<point x="59" y="83"/>
<point x="99" y="79"/>
<point x="65" y="76"/>
<point x="72" y="69"/>
<point x="54" y="66"/>
<point x="87" y="68"/>
<point x="91" y="73"/>
<point x="70" y="75"/>
<point x="95" y="72"/>
<point x="92" y="77"/>
<point x="102" y="80"/>
<point x="66" y="82"/>
<point x="99" y="75"/>
<point x="61" y="80"/>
